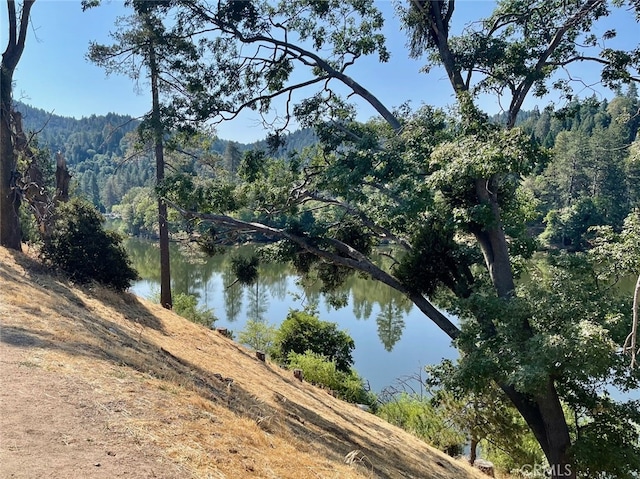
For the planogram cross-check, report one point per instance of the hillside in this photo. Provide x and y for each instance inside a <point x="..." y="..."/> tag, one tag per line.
<point x="96" y="384"/>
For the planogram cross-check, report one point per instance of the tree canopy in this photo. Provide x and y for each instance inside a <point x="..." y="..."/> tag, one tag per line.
<point x="445" y="189"/>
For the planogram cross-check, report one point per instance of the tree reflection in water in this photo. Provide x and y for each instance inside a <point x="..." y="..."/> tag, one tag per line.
<point x="211" y="279"/>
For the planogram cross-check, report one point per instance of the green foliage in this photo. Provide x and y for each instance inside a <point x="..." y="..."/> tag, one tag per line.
<point x="323" y="372"/>
<point x="138" y="211"/>
<point x="301" y="332"/>
<point x="258" y="334"/>
<point x="418" y="415"/>
<point x="617" y="254"/>
<point x="578" y="323"/>
<point x="186" y="305"/>
<point x="569" y="228"/>
<point x="81" y="247"/>
<point x="486" y="418"/>
<point x="245" y="268"/>
<point x="436" y="259"/>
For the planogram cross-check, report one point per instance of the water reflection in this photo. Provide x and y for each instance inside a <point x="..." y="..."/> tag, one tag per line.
<point x="191" y="273"/>
<point x="233" y="294"/>
<point x="390" y="323"/>
<point x="393" y="338"/>
<point x="258" y="302"/>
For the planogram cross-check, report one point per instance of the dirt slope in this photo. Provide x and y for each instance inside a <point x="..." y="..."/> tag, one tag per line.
<point x="95" y="384"/>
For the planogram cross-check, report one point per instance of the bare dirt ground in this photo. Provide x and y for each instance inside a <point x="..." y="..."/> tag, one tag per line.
<point x="58" y="426"/>
<point x="95" y="384"/>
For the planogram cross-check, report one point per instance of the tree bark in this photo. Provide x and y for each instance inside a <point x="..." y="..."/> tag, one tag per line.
<point x="163" y="227"/>
<point x="631" y="343"/>
<point x="10" y="233"/>
<point x="543" y="413"/>
<point x="62" y="179"/>
<point x="545" y="417"/>
<point x="473" y="450"/>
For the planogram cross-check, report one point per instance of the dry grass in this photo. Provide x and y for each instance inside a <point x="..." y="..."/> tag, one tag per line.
<point x="204" y="402"/>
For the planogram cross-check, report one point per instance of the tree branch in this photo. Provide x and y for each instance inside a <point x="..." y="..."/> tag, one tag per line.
<point x="525" y="86"/>
<point x="353" y="260"/>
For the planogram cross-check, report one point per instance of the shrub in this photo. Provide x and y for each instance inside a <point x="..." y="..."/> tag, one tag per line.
<point x="421" y="418"/>
<point x="258" y="334"/>
<point x="186" y="305"/>
<point x="301" y="332"/>
<point x="318" y="370"/>
<point x="82" y="248"/>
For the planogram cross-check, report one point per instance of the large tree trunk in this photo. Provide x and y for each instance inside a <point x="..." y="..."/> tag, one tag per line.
<point x="10" y="235"/>
<point x="63" y="177"/>
<point x="165" y="267"/>
<point x="543" y="411"/>
<point x="545" y="417"/>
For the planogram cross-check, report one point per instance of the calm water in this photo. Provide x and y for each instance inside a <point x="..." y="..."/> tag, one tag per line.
<point x="393" y="338"/>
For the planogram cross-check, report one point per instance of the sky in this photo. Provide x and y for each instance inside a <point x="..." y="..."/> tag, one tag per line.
<point x="53" y="73"/>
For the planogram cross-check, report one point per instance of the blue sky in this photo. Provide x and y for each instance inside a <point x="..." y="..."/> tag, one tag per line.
<point x="53" y="73"/>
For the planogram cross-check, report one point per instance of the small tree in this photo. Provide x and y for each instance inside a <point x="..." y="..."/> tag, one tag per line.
<point x="301" y="332"/>
<point x="258" y="334"/>
<point x="186" y="305"/>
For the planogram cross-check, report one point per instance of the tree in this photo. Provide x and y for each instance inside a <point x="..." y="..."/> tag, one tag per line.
<point x="84" y="250"/>
<point x="10" y="234"/>
<point x="145" y="42"/>
<point x="302" y="331"/>
<point x="231" y="158"/>
<point x="444" y="189"/>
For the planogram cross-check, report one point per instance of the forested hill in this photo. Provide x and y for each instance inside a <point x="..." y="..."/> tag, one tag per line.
<point x="592" y="176"/>
<point x="585" y="115"/>
<point x="79" y="140"/>
<point x="97" y="146"/>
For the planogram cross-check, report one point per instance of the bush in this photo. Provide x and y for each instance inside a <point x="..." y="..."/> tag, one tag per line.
<point x="301" y="332"/>
<point x="82" y="248"/>
<point x="421" y="418"/>
<point x="318" y="370"/>
<point x="186" y="305"/>
<point x="258" y="334"/>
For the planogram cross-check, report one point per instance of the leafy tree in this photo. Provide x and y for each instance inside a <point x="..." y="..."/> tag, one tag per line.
<point x="258" y="334"/>
<point x="569" y="226"/>
<point x="10" y="234"/>
<point x="301" y="332"/>
<point x="138" y="212"/>
<point x="445" y="189"/>
<point x="618" y="255"/>
<point x="232" y="158"/>
<point x="632" y="173"/>
<point x="81" y="247"/>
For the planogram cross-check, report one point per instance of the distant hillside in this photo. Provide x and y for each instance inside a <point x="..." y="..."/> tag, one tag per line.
<point x="96" y="151"/>
<point x="96" y="384"/>
<point x="81" y="139"/>
<point x="102" y="134"/>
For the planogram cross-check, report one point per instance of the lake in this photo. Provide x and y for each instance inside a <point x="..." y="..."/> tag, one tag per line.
<point x="393" y="339"/>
